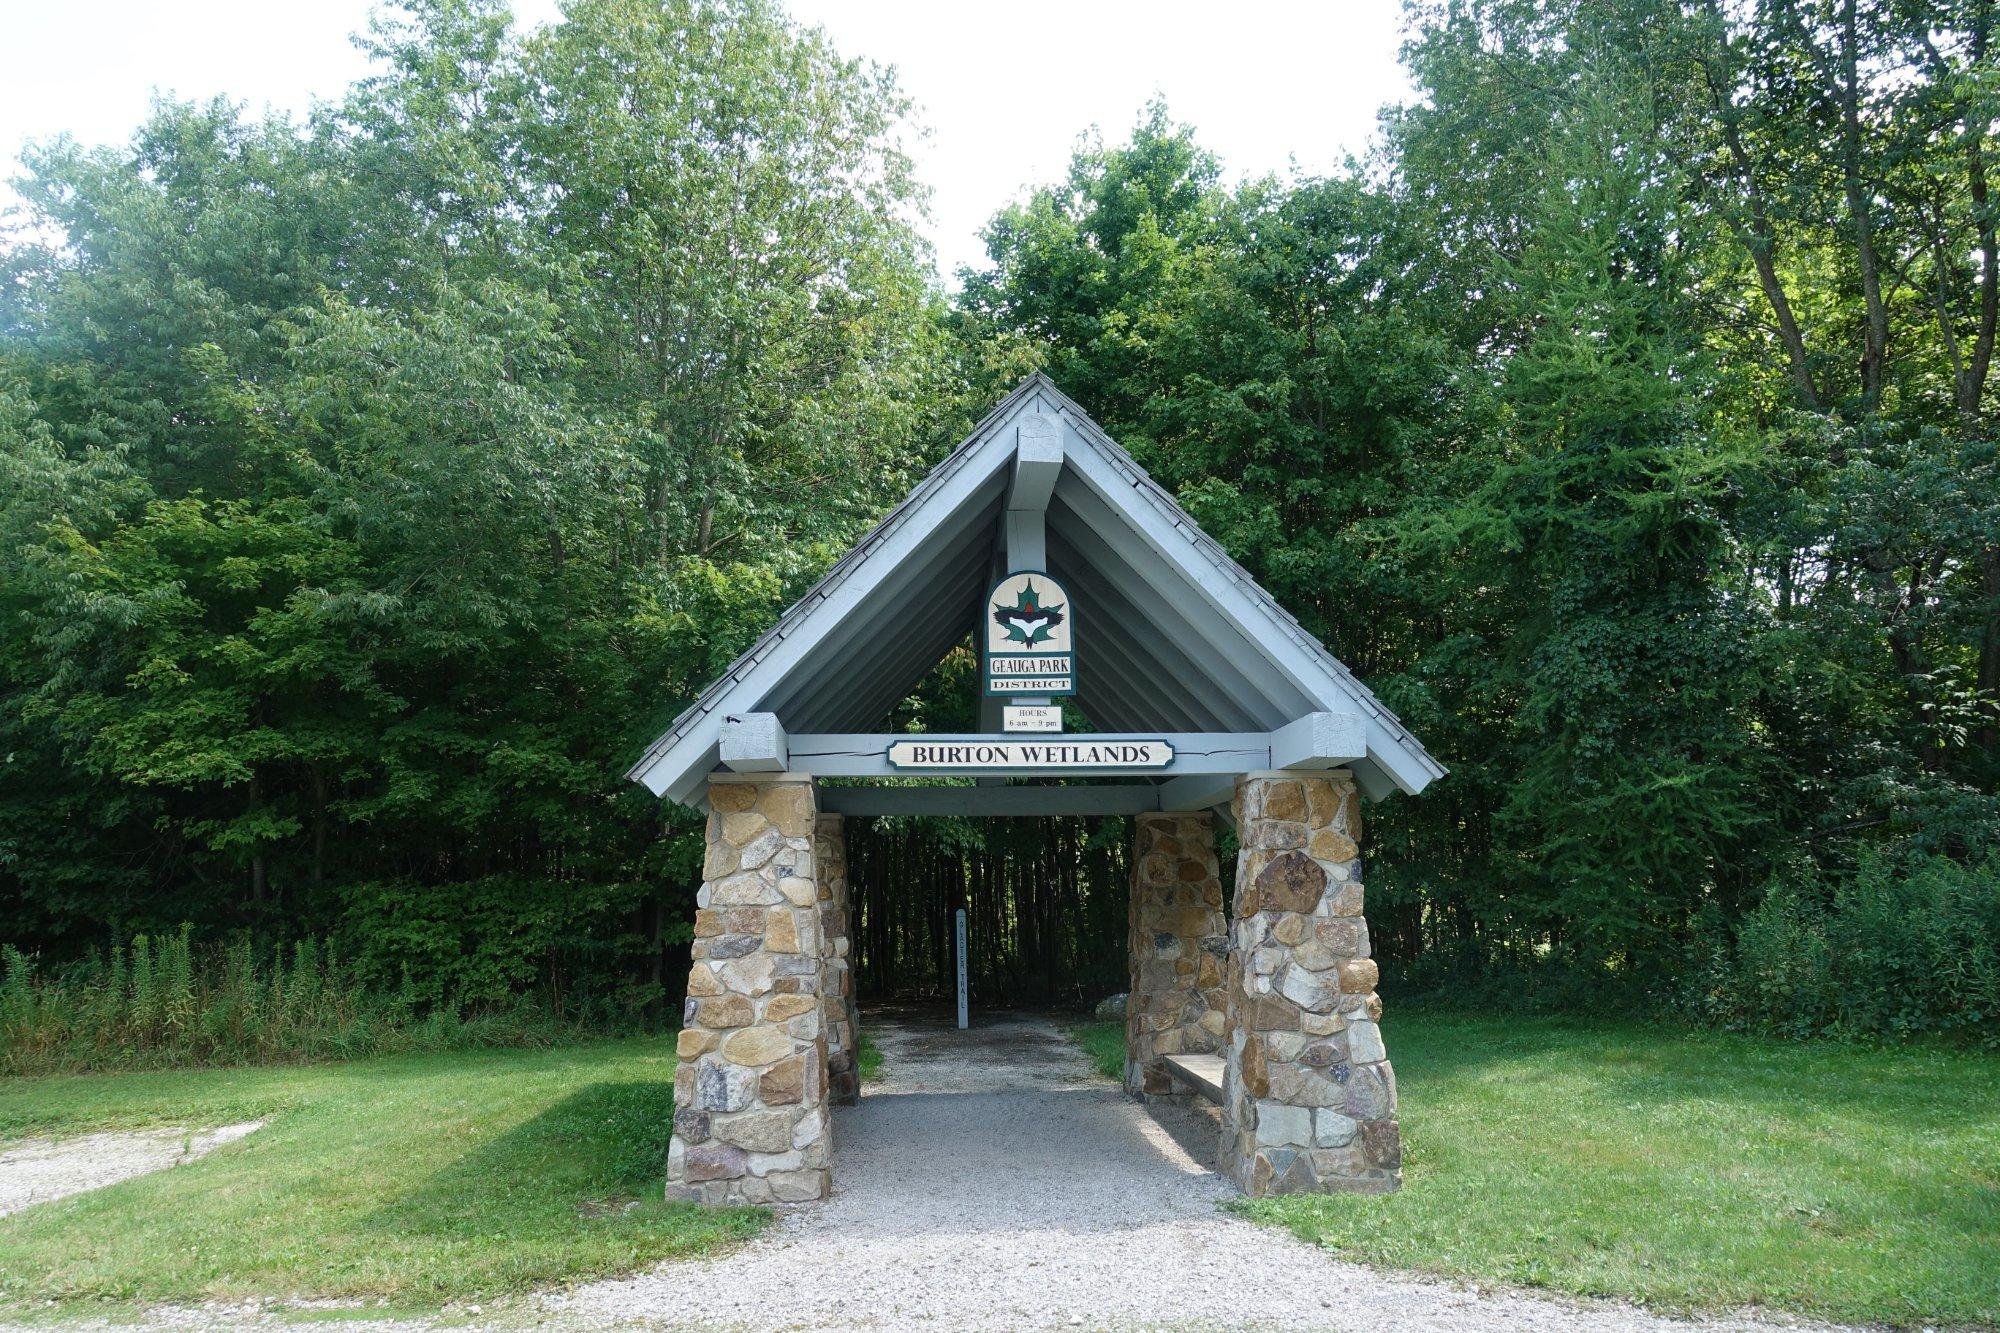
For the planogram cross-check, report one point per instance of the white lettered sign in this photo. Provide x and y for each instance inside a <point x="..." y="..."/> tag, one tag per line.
<point x="964" y="1019"/>
<point x="1030" y="639"/>
<point x="1078" y="752"/>
<point x="1031" y="717"/>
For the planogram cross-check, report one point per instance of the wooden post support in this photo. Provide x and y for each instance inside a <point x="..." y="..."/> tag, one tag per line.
<point x="754" y="743"/>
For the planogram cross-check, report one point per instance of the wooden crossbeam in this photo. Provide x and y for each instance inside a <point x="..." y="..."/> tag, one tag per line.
<point x="995" y="802"/>
<point x="1202" y="773"/>
<point x="754" y="743"/>
<point x="865" y="754"/>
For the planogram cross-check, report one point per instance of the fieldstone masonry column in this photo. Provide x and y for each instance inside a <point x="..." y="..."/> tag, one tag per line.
<point x="843" y="1017"/>
<point x="1309" y="1099"/>
<point x="750" y="1115"/>
<point x="1177" y="944"/>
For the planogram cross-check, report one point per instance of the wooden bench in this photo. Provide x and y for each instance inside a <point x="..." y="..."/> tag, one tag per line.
<point x="1202" y="1073"/>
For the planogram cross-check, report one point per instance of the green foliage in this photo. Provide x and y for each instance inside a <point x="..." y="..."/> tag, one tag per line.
<point x="483" y="942"/>
<point x="1604" y="519"/>
<point x="1891" y="950"/>
<point x="164" y="1002"/>
<point x="1045" y="903"/>
<point x="372" y="489"/>
<point x="1683" y="585"/>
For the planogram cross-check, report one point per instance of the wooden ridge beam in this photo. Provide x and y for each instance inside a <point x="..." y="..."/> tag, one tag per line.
<point x="1038" y="461"/>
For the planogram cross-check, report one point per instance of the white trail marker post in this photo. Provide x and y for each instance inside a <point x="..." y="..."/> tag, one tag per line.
<point x="964" y="1020"/>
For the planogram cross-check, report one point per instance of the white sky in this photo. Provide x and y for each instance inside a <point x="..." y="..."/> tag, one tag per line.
<point x="1005" y="91"/>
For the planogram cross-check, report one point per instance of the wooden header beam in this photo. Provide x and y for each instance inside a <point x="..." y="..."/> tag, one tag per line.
<point x="1202" y="773"/>
<point x="866" y="754"/>
<point x="1315" y="741"/>
<point x="754" y="743"/>
<point x="994" y="802"/>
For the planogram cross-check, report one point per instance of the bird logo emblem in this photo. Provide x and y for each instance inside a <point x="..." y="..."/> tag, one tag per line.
<point x="1028" y="622"/>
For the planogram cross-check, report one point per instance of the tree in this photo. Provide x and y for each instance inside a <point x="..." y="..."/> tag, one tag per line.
<point x="383" y="481"/>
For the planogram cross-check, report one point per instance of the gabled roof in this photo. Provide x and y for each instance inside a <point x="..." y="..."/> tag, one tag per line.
<point x="1173" y="634"/>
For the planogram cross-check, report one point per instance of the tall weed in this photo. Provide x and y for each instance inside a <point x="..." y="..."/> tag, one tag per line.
<point x="1900" y="947"/>
<point x="163" y="1001"/>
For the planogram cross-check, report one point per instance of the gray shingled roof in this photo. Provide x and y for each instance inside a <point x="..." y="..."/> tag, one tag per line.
<point x="837" y="661"/>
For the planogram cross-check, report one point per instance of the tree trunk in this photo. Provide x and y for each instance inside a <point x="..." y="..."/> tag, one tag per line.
<point x="259" y="866"/>
<point x="1755" y="232"/>
<point x="1989" y="652"/>
<point x="1860" y="210"/>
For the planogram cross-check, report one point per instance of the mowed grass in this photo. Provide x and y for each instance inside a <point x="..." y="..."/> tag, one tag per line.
<point x="1691" y="1171"/>
<point x="867" y="1058"/>
<point x="1104" y="1043"/>
<point x="415" y="1180"/>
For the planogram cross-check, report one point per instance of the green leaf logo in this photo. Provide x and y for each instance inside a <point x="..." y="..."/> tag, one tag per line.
<point x="1028" y="622"/>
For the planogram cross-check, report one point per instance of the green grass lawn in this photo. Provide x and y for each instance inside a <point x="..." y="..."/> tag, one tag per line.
<point x="1686" y="1170"/>
<point x="412" y="1179"/>
<point x="1104" y="1043"/>
<point x="867" y="1058"/>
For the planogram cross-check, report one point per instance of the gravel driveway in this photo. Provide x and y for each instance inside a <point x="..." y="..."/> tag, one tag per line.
<point x="993" y="1181"/>
<point x="36" y="1170"/>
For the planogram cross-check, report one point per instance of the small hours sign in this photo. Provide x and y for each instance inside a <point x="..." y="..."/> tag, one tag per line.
<point x="1031" y="717"/>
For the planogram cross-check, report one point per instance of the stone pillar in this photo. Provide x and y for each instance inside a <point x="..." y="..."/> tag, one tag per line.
<point x="843" y="1016"/>
<point x="1177" y="943"/>
<point x="750" y="1115"/>
<point x="1309" y="1099"/>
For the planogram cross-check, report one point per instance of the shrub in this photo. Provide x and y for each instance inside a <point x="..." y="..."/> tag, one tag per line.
<point x="164" y="1002"/>
<point x="1899" y="947"/>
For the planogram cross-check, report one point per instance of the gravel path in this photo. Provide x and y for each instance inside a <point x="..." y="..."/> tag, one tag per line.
<point x="34" y="1171"/>
<point x="993" y="1181"/>
<point x="990" y="1181"/>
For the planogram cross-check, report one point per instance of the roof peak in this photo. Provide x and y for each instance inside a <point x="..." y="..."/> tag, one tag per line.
<point x="1177" y="635"/>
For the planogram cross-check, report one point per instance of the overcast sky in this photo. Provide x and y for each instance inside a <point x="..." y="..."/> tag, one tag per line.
<point x="1004" y="91"/>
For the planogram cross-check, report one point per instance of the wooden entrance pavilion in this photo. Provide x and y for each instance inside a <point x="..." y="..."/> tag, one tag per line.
<point x="1082" y="579"/>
